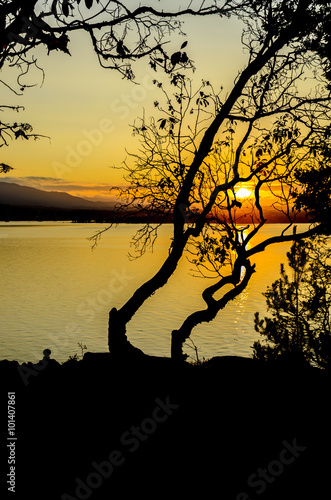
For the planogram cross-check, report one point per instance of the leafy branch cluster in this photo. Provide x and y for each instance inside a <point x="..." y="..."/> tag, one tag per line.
<point x="269" y="133"/>
<point x="14" y="131"/>
<point x="157" y="172"/>
<point x="119" y="33"/>
<point x="299" y="325"/>
<point x="202" y="149"/>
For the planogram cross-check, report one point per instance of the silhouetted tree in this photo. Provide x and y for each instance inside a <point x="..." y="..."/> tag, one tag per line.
<point x="299" y="327"/>
<point x="4" y="168"/>
<point x="204" y="147"/>
<point x="260" y="132"/>
<point x="14" y="131"/>
<point x="314" y="196"/>
<point x="120" y="34"/>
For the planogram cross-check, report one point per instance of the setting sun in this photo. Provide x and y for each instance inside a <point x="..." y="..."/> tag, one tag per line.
<point x="243" y="192"/>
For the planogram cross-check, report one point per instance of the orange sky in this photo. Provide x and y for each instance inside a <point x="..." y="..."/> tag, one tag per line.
<point x="87" y="110"/>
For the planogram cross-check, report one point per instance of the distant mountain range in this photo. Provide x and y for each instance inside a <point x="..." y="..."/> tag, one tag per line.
<point x="12" y="194"/>
<point x="27" y="203"/>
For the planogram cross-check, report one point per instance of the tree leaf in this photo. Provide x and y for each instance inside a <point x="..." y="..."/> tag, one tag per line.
<point x="175" y="58"/>
<point x="65" y="7"/>
<point x="4" y="168"/>
<point x="152" y="64"/>
<point x="20" y="133"/>
<point x="163" y="123"/>
<point x="88" y="3"/>
<point x="183" y="45"/>
<point x="184" y="58"/>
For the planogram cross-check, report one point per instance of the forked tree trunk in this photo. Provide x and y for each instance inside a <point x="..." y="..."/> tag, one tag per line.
<point x="118" y="343"/>
<point x="178" y="337"/>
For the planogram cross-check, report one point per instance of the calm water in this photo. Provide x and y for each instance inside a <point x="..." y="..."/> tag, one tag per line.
<point x="56" y="292"/>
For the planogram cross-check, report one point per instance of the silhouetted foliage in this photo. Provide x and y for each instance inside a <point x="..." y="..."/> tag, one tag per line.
<point x="14" y="131"/>
<point x="314" y="197"/>
<point x="299" y="325"/>
<point x="203" y="146"/>
<point x="120" y="34"/>
<point x="4" y="168"/>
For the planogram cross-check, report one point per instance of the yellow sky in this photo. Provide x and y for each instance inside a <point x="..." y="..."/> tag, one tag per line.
<point x="86" y="110"/>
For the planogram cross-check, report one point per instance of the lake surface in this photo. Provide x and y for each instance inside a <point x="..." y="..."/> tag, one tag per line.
<point x="56" y="291"/>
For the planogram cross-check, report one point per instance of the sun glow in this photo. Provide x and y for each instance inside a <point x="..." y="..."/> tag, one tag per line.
<point x="243" y="192"/>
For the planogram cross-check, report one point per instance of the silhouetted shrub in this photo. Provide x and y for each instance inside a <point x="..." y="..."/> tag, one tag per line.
<point x="298" y="327"/>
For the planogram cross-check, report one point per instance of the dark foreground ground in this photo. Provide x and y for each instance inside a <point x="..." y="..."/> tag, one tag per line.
<point x="230" y="429"/>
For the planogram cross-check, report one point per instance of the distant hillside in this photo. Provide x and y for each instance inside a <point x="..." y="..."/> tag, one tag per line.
<point x="15" y="195"/>
<point x="27" y="203"/>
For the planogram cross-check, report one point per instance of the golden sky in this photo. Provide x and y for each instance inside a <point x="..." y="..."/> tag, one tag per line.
<point x="86" y="110"/>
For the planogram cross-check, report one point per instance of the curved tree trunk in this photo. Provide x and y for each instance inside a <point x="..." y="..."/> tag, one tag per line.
<point x="117" y="340"/>
<point x="178" y="337"/>
<point x="119" y="346"/>
<point x="119" y="318"/>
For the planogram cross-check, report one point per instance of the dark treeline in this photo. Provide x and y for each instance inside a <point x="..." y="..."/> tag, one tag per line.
<point x="34" y="213"/>
<point x="30" y="213"/>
